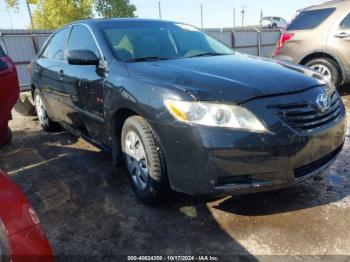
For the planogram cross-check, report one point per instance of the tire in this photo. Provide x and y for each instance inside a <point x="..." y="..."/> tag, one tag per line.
<point x="274" y="26"/>
<point x="46" y="123"/>
<point x="8" y="136"/>
<point x="144" y="161"/>
<point x="330" y="66"/>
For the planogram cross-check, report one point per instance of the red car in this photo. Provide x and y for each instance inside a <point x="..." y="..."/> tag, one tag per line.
<point x="9" y="92"/>
<point x="21" y="236"/>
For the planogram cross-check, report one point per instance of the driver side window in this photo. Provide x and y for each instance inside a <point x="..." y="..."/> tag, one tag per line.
<point x="81" y="39"/>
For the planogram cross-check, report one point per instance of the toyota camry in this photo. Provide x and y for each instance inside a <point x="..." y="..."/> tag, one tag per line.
<point x="185" y="112"/>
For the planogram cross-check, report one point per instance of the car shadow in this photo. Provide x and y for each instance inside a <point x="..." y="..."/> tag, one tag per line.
<point x="87" y="207"/>
<point x="344" y="90"/>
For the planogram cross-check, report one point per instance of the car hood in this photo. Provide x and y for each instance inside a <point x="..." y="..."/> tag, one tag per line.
<point x="234" y="78"/>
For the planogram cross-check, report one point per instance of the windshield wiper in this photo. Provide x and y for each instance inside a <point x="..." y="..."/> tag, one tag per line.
<point x="207" y="54"/>
<point x="147" y="58"/>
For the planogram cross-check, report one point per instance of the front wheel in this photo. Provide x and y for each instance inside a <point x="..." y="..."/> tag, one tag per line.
<point x="46" y="123"/>
<point x="326" y="67"/>
<point x="144" y="160"/>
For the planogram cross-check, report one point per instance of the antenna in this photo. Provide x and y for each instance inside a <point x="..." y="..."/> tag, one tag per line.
<point x="234" y="17"/>
<point x="243" y="12"/>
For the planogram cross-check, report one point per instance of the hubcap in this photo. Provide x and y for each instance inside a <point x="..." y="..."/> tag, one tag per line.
<point x="323" y="70"/>
<point x="40" y="110"/>
<point x="136" y="160"/>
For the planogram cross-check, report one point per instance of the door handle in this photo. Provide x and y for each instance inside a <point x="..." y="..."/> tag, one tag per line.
<point x="342" y="35"/>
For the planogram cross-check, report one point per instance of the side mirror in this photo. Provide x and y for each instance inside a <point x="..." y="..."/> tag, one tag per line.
<point x="82" y="57"/>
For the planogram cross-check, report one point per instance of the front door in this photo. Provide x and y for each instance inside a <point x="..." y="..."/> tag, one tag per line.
<point x="84" y="85"/>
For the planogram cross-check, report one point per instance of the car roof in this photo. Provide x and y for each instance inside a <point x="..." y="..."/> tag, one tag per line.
<point x="329" y="4"/>
<point x="131" y="20"/>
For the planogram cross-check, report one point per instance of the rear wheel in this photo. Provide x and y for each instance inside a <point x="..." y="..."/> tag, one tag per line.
<point x="327" y="67"/>
<point x="144" y="160"/>
<point x="274" y="26"/>
<point x="46" y="123"/>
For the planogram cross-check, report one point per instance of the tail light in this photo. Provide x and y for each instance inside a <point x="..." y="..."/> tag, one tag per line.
<point x="285" y="37"/>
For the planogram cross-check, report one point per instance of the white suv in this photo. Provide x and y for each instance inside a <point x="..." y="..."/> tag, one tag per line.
<point x="273" y="22"/>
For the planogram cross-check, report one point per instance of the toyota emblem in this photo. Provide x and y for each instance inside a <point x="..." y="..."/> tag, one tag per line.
<point x="323" y="102"/>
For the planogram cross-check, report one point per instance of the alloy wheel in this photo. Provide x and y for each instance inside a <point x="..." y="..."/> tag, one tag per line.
<point x="323" y="70"/>
<point x="40" y="110"/>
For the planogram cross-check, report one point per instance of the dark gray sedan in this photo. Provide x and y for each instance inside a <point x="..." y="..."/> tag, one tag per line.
<point x="185" y="112"/>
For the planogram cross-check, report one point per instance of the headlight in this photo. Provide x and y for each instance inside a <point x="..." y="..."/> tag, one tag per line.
<point x="214" y="114"/>
<point x="4" y="244"/>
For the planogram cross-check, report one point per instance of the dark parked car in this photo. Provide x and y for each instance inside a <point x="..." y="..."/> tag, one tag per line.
<point x="184" y="110"/>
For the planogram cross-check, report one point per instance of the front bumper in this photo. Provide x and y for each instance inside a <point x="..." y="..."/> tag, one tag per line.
<point x="217" y="161"/>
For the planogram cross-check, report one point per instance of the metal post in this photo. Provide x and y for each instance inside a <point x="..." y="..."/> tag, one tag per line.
<point x="36" y="47"/>
<point x="221" y="35"/>
<point x="201" y="16"/>
<point x="243" y="15"/>
<point x="234" y="17"/>
<point x="259" y="41"/>
<point x="30" y="14"/>
<point x="160" y="10"/>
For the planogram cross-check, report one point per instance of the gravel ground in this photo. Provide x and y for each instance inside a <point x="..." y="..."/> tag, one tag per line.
<point x="87" y="207"/>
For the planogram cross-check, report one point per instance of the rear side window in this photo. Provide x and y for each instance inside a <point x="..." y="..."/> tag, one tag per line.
<point x="346" y="22"/>
<point x="2" y="53"/>
<point x="3" y="65"/>
<point x="310" y="19"/>
<point x="55" y="49"/>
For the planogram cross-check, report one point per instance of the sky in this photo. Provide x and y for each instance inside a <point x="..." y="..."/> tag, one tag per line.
<point x="216" y="13"/>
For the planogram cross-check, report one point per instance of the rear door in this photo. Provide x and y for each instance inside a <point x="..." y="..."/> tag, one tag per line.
<point x="47" y="73"/>
<point x="339" y="41"/>
<point x="83" y="87"/>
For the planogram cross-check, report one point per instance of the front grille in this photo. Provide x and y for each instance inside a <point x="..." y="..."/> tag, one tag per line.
<point x="309" y="168"/>
<point x="303" y="117"/>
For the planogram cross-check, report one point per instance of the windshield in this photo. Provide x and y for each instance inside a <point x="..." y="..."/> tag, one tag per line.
<point x="160" y="40"/>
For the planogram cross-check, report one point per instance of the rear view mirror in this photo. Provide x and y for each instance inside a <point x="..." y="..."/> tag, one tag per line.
<point x="82" y="57"/>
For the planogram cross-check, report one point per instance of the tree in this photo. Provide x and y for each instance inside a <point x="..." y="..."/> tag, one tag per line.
<point x="52" y="14"/>
<point x="114" y="8"/>
<point x="12" y="4"/>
